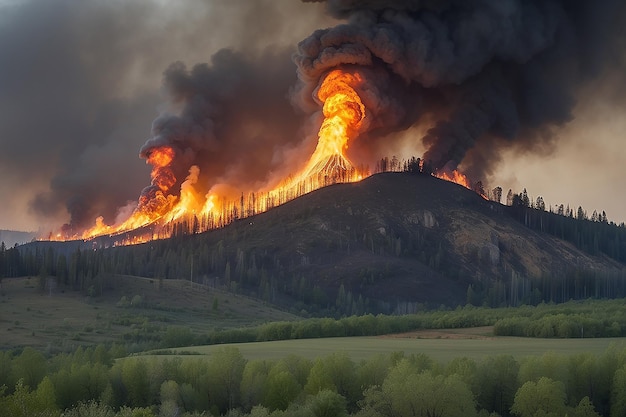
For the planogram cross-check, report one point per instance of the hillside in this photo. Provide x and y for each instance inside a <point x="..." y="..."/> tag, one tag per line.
<point x="12" y="237"/>
<point x="392" y="242"/>
<point x="135" y="311"/>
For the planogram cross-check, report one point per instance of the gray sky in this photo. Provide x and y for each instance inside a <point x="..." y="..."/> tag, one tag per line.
<point x="81" y="82"/>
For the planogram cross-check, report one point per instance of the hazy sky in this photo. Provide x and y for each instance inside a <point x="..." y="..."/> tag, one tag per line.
<point x="81" y="82"/>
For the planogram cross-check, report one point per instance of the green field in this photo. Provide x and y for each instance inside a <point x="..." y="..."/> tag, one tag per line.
<point x="441" y="350"/>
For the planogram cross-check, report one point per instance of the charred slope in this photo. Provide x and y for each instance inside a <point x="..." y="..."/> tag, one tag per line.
<point x="397" y="240"/>
<point x="387" y="243"/>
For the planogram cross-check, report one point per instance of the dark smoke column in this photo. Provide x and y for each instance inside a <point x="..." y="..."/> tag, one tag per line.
<point x="490" y="73"/>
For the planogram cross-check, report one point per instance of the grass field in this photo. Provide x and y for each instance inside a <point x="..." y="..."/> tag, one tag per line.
<point x="65" y="319"/>
<point x="441" y="346"/>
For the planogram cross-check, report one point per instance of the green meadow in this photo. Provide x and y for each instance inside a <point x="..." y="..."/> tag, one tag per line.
<point x="439" y="349"/>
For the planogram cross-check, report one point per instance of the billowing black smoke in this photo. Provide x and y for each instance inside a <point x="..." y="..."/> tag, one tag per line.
<point x="487" y="74"/>
<point x="234" y="119"/>
<point x="78" y="87"/>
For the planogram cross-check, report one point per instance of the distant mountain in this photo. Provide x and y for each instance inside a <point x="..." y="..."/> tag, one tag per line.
<point x="12" y="237"/>
<point x="393" y="242"/>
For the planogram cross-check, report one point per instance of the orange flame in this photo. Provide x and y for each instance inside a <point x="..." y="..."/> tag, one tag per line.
<point x="456" y="177"/>
<point x="162" y="175"/>
<point x="161" y="156"/>
<point x="344" y="114"/>
<point x="461" y="179"/>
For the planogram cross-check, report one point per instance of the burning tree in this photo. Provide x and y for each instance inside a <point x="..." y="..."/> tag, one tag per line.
<point x="472" y="78"/>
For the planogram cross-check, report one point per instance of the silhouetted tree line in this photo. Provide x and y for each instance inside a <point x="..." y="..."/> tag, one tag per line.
<point x="594" y="235"/>
<point x="412" y="165"/>
<point x="226" y="259"/>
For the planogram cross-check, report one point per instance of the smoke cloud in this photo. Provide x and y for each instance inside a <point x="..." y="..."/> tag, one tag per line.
<point x="475" y="79"/>
<point x="485" y="75"/>
<point x="79" y="83"/>
<point x="234" y="118"/>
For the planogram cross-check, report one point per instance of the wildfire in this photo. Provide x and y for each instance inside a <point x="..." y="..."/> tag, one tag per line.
<point x="456" y="177"/>
<point x="344" y="113"/>
<point x="158" y="211"/>
<point x="461" y="179"/>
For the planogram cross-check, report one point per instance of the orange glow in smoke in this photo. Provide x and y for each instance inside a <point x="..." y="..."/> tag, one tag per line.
<point x="158" y="212"/>
<point x="160" y="157"/>
<point x="344" y="113"/>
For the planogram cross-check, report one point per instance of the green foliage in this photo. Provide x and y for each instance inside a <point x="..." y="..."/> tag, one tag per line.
<point x="87" y="383"/>
<point x="409" y="393"/>
<point x="254" y="383"/>
<point x="135" y="380"/>
<point x="226" y="367"/>
<point x="544" y="398"/>
<point x="585" y="408"/>
<point x="496" y="383"/>
<point x="6" y="372"/>
<point x="618" y="393"/>
<point x="328" y="403"/>
<point x="177" y="336"/>
<point x="373" y="371"/>
<point x="26" y="403"/>
<point x="590" y="318"/>
<point x="90" y="409"/>
<point x="30" y="366"/>
<point x="281" y="390"/>
<point x="135" y="412"/>
<point x="336" y="372"/>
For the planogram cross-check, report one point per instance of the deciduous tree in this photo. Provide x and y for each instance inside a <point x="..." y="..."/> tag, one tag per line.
<point x="544" y="398"/>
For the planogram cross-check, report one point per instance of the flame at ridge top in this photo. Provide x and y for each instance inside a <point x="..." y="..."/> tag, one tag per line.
<point x="344" y="116"/>
<point x="454" y="176"/>
<point x="461" y="179"/>
<point x="344" y="113"/>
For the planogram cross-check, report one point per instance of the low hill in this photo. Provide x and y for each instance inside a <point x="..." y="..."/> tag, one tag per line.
<point x="138" y="312"/>
<point x="393" y="242"/>
<point x="13" y="237"/>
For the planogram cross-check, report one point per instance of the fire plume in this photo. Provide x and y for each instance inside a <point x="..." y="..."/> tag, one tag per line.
<point x="159" y="213"/>
<point x="344" y="113"/>
<point x="162" y="175"/>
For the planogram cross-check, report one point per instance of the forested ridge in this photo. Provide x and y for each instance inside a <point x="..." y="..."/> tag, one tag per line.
<point x="594" y="235"/>
<point x="392" y="243"/>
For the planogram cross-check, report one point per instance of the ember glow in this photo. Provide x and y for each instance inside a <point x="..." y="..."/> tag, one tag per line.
<point x="461" y="179"/>
<point x="456" y="177"/>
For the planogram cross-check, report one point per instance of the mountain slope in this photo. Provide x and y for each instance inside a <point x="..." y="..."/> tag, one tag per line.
<point x="388" y="243"/>
<point x="12" y="237"/>
<point x="398" y="237"/>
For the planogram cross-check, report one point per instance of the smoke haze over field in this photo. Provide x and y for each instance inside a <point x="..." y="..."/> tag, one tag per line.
<point x="516" y="93"/>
